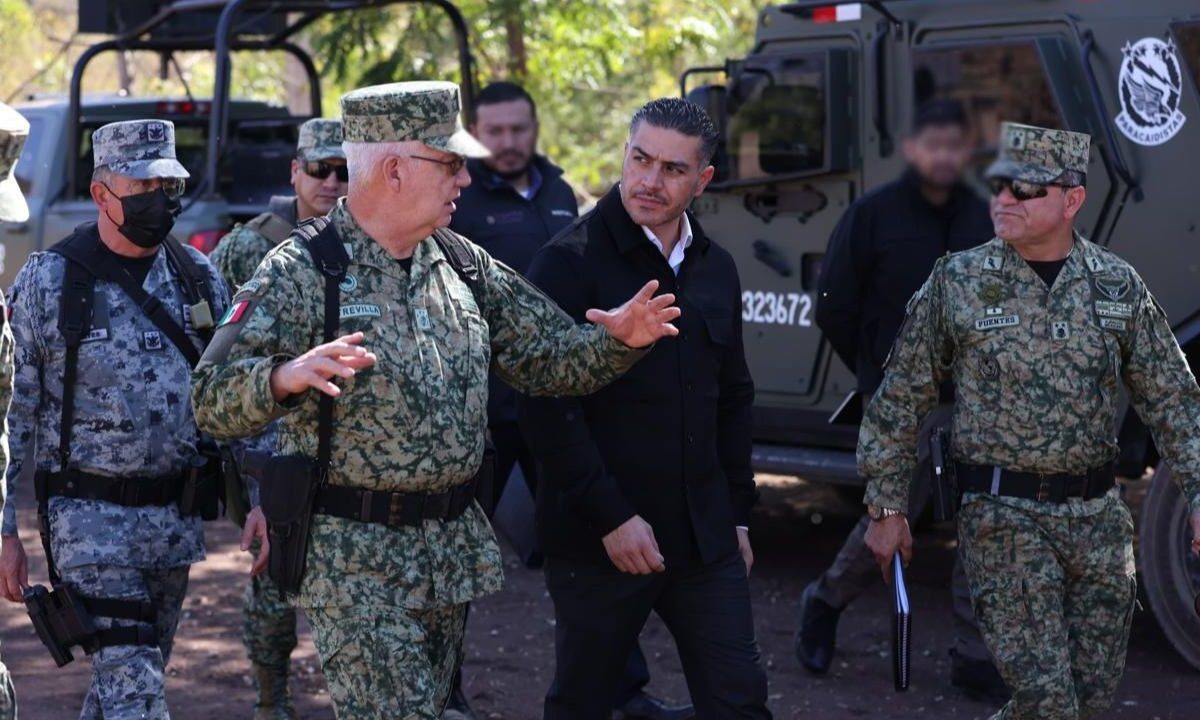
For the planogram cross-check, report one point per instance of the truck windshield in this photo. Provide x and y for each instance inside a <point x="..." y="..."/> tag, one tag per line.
<point x="776" y="116"/>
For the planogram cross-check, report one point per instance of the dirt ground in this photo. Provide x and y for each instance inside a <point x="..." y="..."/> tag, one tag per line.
<point x="798" y="529"/>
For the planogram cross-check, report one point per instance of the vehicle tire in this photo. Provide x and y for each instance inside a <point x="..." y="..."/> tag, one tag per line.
<point x="1170" y="572"/>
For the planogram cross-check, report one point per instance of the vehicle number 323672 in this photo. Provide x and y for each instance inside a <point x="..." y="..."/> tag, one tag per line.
<point x="772" y="308"/>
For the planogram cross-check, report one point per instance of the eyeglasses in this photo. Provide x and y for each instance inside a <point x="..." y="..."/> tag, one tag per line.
<point x="319" y="170"/>
<point x="455" y="164"/>
<point x="172" y="187"/>
<point x="1022" y="190"/>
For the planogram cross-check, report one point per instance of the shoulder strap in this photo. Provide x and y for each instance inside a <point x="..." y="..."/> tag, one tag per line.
<point x="271" y="226"/>
<point x="462" y="259"/>
<point x="74" y="320"/>
<point x="196" y="287"/>
<point x="325" y="247"/>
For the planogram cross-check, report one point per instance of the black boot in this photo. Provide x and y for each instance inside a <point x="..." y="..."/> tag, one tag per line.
<point x="274" y="701"/>
<point x="643" y="706"/>
<point x="979" y="680"/>
<point x="815" y="640"/>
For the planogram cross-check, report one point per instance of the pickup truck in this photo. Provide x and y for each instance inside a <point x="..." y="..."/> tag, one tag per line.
<point x="254" y="165"/>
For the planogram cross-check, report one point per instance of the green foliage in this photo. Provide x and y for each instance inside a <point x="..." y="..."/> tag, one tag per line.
<point x="588" y="63"/>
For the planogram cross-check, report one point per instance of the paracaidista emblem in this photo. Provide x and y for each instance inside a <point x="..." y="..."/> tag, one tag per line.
<point x="1150" y="85"/>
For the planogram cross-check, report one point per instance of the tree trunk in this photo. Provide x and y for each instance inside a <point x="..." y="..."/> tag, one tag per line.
<point x="514" y="27"/>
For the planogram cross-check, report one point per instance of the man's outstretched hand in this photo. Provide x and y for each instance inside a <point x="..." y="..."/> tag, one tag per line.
<point x="642" y="320"/>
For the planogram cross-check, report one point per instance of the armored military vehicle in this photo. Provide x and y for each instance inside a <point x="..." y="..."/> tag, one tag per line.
<point x="811" y="118"/>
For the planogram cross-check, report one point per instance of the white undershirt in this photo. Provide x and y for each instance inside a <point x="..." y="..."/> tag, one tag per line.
<point x="677" y="252"/>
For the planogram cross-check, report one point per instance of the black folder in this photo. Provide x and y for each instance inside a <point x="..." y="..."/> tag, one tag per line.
<point x="901" y="627"/>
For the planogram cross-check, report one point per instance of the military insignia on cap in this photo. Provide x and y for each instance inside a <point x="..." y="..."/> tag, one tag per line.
<point x="991" y="294"/>
<point x="1113" y="288"/>
<point x="156" y="132"/>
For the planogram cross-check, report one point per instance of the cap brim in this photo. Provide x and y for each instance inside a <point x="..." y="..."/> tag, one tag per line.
<point x="315" y="154"/>
<point x="148" y="169"/>
<point x="460" y="143"/>
<point x="1022" y="171"/>
<point x="13" y="207"/>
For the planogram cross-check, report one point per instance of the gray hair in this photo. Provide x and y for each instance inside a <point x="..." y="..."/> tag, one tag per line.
<point x="363" y="159"/>
<point x="102" y="174"/>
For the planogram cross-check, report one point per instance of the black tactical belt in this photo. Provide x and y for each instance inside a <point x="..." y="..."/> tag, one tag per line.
<point x="1055" y="488"/>
<point x="128" y="491"/>
<point x="393" y="509"/>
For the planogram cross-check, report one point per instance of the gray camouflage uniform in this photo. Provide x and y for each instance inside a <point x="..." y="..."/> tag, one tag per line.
<point x="14" y="131"/>
<point x="132" y="419"/>
<point x="268" y="620"/>
<point x="1037" y="372"/>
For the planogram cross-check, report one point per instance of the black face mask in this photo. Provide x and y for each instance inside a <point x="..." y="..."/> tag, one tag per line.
<point x="149" y="216"/>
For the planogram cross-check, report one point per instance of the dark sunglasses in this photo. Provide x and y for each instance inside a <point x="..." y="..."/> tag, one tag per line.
<point x="455" y="165"/>
<point x="172" y="187"/>
<point x="319" y="170"/>
<point x="1022" y="190"/>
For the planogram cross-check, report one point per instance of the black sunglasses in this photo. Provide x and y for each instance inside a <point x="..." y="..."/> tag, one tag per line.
<point x="1022" y="190"/>
<point x="455" y="165"/>
<point x="319" y="169"/>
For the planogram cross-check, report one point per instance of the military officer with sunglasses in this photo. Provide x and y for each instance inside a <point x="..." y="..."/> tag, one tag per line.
<point x="100" y="401"/>
<point x="320" y="177"/>
<point x="1038" y="329"/>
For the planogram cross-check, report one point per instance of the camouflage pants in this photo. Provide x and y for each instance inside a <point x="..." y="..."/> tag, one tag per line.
<point x="268" y="623"/>
<point x="8" y="699"/>
<point x="387" y="662"/>
<point x="127" y="680"/>
<point x="1054" y="597"/>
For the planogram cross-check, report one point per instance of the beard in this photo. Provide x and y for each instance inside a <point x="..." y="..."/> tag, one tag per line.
<point x="510" y="171"/>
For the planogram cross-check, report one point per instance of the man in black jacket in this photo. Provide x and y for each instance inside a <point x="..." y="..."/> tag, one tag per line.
<point x="646" y="486"/>
<point x="879" y="255"/>
<point x="516" y="202"/>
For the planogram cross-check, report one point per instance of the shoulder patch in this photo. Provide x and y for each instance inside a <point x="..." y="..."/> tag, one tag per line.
<point x="993" y="263"/>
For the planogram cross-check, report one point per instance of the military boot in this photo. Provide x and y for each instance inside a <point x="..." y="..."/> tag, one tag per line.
<point x="274" y="701"/>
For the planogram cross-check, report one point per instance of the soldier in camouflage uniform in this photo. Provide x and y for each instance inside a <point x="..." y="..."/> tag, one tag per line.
<point x="318" y="176"/>
<point x="1037" y="328"/>
<point x="386" y="602"/>
<point x="319" y="179"/>
<point x="14" y="131"/>
<point x="133" y="428"/>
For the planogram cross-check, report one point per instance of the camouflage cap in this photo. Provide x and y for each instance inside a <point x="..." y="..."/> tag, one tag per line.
<point x="14" y="131"/>
<point x="1039" y="155"/>
<point x="320" y="139"/>
<point x="141" y="149"/>
<point x="398" y="112"/>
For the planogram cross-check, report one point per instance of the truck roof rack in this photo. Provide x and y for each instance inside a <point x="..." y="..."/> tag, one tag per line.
<point x="238" y="29"/>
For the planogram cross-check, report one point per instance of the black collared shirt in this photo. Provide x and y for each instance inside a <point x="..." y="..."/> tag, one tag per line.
<point x="879" y="255"/>
<point x="512" y="228"/>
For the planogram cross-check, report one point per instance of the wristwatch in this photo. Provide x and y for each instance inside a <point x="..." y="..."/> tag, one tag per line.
<point x="875" y="512"/>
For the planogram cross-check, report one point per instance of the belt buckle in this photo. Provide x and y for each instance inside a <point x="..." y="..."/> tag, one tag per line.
<point x="1043" y="491"/>
<point x="365" y="505"/>
<point x="395" y="510"/>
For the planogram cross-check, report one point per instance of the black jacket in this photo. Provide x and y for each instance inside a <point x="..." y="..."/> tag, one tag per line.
<point x="670" y="440"/>
<point x="499" y="219"/>
<point x="879" y="255"/>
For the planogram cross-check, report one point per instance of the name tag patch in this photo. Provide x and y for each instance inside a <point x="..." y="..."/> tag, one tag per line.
<point x="1121" y="311"/>
<point x="1111" y="324"/>
<point x="992" y="323"/>
<point x="95" y="334"/>
<point x="359" y="310"/>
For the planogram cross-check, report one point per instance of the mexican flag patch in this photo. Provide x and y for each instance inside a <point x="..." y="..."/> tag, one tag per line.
<point x="235" y="313"/>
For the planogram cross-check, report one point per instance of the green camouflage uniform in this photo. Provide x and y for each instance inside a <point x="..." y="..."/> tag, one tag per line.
<point x="14" y="131"/>
<point x="1037" y="374"/>
<point x="268" y="620"/>
<point x="387" y="604"/>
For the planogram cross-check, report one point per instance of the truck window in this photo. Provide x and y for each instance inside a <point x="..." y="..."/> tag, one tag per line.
<point x="994" y="82"/>
<point x="778" y="119"/>
<point x="27" y="165"/>
<point x="1189" y="48"/>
